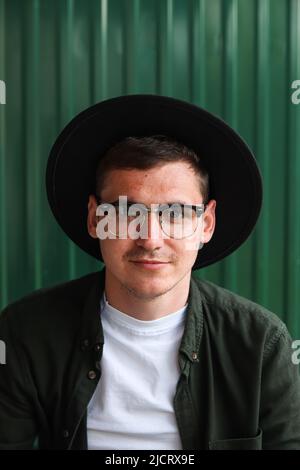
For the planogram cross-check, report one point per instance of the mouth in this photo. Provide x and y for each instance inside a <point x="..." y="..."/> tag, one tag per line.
<point x="150" y="261"/>
<point x="147" y="264"/>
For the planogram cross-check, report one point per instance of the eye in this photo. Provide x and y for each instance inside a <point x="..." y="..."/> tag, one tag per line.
<point x="175" y="214"/>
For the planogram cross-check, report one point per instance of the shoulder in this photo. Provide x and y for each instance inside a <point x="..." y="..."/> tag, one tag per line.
<point x="59" y="300"/>
<point x="231" y="314"/>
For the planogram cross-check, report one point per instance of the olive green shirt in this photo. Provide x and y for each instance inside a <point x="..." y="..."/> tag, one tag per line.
<point x="238" y="387"/>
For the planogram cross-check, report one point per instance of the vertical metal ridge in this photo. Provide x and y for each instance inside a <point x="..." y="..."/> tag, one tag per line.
<point x="191" y="43"/>
<point x="263" y="147"/>
<point x="198" y="52"/>
<point x="169" y="46"/>
<point x="103" y="49"/>
<point x="70" y="105"/>
<point x="202" y="53"/>
<point x="230" y="111"/>
<point x="255" y="237"/>
<point x="131" y="35"/>
<point x="158" y="56"/>
<point x="58" y="68"/>
<point x="37" y="170"/>
<point x="98" y="50"/>
<point x="3" y="175"/>
<point x="286" y="261"/>
<point x="293" y="197"/>
<point x="98" y="53"/>
<point x="165" y="84"/>
<point x="33" y="157"/>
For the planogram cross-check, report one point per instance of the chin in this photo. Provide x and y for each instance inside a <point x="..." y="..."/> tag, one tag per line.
<point x="147" y="290"/>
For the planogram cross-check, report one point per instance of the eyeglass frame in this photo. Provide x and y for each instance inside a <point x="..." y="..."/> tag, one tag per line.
<point x="198" y="208"/>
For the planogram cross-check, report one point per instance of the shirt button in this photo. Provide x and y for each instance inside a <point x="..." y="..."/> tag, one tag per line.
<point x="65" y="433"/>
<point x="92" y="375"/>
<point x="84" y="344"/>
<point x="195" y="357"/>
<point x="97" y="347"/>
<point x="98" y="365"/>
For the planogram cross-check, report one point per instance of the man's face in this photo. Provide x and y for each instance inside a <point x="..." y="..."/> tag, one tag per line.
<point x="172" y="182"/>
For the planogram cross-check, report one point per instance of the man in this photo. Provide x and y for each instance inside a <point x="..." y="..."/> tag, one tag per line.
<point x="144" y="355"/>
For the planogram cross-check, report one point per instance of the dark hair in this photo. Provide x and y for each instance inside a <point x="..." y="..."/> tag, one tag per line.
<point x="148" y="152"/>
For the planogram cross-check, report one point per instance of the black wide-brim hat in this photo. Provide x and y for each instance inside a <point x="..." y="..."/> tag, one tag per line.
<point x="235" y="180"/>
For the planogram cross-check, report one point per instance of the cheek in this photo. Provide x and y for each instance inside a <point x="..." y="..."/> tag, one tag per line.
<point x="183" y="250"/>
<point x="114" y="249"/>
<point x="192" y="245"/>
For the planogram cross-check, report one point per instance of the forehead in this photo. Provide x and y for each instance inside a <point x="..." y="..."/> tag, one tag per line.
<point x="173" y="181"/>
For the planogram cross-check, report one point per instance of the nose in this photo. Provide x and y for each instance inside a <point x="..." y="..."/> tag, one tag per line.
<point x="152" y="231"/>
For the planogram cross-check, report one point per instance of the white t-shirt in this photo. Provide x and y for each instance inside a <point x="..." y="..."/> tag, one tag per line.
<point x="132" y="407"/>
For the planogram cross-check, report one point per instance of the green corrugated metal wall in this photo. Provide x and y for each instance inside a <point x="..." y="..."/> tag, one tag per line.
<point x="237" y="58"/>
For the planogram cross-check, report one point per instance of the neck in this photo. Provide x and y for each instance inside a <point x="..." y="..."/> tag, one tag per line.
<point x="146" y="307"/>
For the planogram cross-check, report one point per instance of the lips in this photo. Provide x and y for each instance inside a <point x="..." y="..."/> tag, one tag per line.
<point x="150" y="265"/>
<point x="150" y="262"/>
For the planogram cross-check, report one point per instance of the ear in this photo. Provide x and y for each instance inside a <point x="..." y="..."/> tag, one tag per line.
<point x="209" y="221"/>
<point x="91" y="218"/>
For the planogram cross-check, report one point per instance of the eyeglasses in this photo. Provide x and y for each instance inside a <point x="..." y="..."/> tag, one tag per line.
<point x="176" y="220"/>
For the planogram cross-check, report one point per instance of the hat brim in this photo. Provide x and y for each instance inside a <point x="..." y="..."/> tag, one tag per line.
<point x="235" y="179"/>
